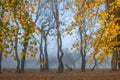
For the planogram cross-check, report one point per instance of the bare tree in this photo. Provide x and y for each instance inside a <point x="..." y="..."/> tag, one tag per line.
<point x="46" y="22"/>
<point x="59" y="39"/>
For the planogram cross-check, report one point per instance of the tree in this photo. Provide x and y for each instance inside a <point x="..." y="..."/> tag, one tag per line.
<point x="116" y="53"/>
<point x="106" y="43"/>
<point x="4" y="24"/>
<point x="46" y="23"/>
<point x="59" y="39"/>
<point x="23" y="18"/>
<point x="84" y="23"/>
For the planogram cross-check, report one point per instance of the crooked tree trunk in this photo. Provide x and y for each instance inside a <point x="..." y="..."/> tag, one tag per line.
<point x="18" y="60"/>
<point x="0" y="60"/>
<point x="60" y="54"/>
<point x="94" y="64"/>
<point x="41" y="55"/>
<point x="46" y="54"/>
<point x="59" y="39"/>
<point x="16" y="44"/>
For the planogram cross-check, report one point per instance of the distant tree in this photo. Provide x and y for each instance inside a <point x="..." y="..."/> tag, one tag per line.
<point x="46" y="22"/>
<point x="59" y="39"/>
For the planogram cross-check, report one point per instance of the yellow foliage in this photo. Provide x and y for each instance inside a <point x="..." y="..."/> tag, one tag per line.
<point x="22" y="55"/>
<point x="89" y="62"/>
<point x="14" y="57"/>
<point x="118" y="2"/>
<point x="30" y="48"/>
<point x="42" y="62"/>
<point x="5" y="53"/>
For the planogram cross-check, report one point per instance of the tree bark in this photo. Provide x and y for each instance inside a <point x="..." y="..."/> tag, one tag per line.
<point x="82" y="52"/>
<point x="59" y="39"/>
<point x="41" y="55"/>
<point x="94" y="64"/>
<point x="16" y="44"/>
<point x="24" y="57"/>
<point x="0" y="60"/>
<point x="46" y="54"/>
<point x="114" y="60"/>
<point x="18" y="60"/>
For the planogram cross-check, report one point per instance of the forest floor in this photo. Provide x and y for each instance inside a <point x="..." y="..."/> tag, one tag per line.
<point x="66" y="75"/>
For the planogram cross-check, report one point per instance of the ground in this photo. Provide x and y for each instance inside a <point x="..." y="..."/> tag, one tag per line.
<point x="66" y="75"/>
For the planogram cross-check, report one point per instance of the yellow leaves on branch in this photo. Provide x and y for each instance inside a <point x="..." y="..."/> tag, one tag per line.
<point x="31" y="48"/>
<point x="22" y="54"/>
<point x="87" y="37"/>
<point x="117" y="2"/>
<point x="33" y="55"/>
<point x="105" y="39"/>
<point x="5" y="53"/>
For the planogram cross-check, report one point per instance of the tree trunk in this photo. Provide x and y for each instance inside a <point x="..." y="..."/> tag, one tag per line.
<point x="83" y="65"/>
<point x="24" y="57"/>
<point x="46" y="54"/>
<point x="16" y="48"/>
<point x="94" y="64"/>
<point x="41" y="55"/>
<point x="59" y="40"/>
<point x="0" y="60"/>
<point x="118" y="57"/>
<point x="114" y="61"/>
<point x="82" y="52"/>
<point x="60" y="52"/>
<point x="119" y="64"/>
<point x="18" y="61"/>
<point x="23" y="64"/>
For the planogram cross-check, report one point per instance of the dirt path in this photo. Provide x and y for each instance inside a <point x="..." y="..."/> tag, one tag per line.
<point x="66" y="75"/>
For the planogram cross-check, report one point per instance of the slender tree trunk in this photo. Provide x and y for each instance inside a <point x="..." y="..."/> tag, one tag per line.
<point x="59" y="51"/>
<point x="94" y="64"/>
<point x="59" y="40"/>
<point x="82" y="52"/>
<point x="46" y="54"/>
<point x="1" y="40"/>
<point x="16" y="44"/>
<point x="24" y="57"/>
<point x="0" y="60"/>
<point x="18" y="60"/>
<point x="41" y="54"/>
<point x="61" y="62"/>
<point x="42" y="66"/>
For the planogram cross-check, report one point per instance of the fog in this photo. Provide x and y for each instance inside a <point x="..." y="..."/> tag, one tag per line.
<point x="72" y="59"/>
